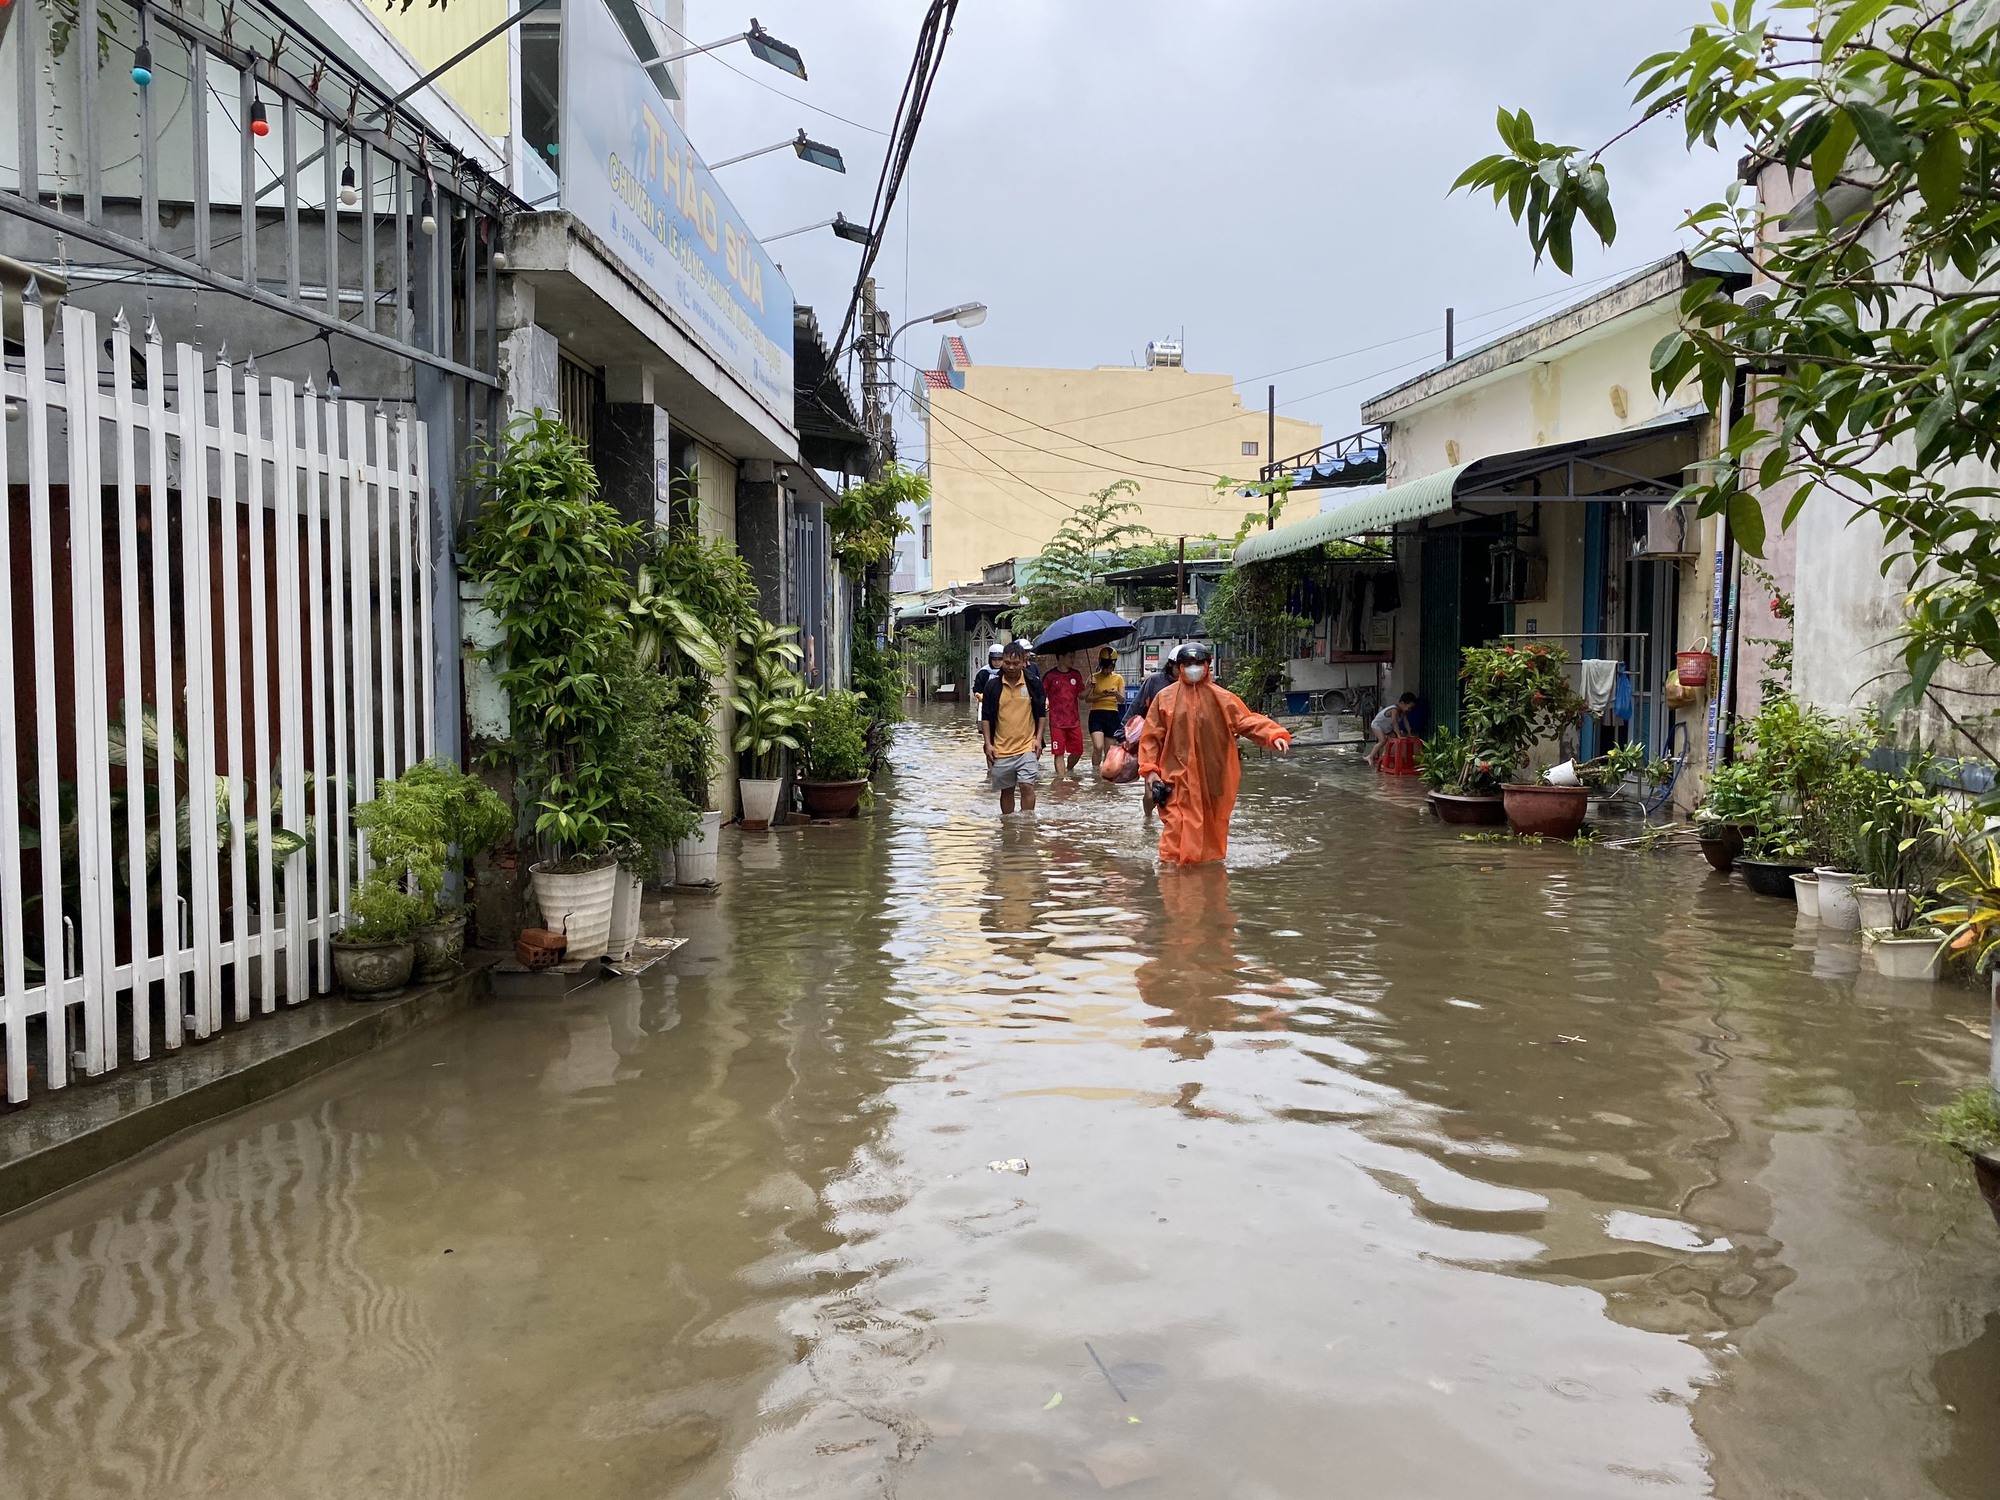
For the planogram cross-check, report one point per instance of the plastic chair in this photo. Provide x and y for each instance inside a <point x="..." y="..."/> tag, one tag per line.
<point x="1399" y="755"/>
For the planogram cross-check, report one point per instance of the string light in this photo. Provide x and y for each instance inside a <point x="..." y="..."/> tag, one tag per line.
<point x="428" y="215"/>
<point x="259" y="126"/>
<point x="349" y="193"/>
<point x="142" y="65"/>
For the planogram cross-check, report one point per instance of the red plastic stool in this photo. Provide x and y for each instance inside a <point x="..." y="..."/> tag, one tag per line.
<point x="1399" y="755"/>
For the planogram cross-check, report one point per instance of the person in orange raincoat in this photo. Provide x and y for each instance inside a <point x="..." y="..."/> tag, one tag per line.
<point x="1188" y="757"/>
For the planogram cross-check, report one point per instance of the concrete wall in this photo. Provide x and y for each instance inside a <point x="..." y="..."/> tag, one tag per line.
<point x="1066" y="433"/>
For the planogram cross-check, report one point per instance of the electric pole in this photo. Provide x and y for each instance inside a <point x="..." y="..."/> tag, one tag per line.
<point x="876" y="416"/>
<point x="1271" y="453"/>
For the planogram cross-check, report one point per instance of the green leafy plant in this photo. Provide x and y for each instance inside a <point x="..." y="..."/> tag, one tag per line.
<point x="1067" y="575"/>
<point x="1620" y="764"/>
<point x="1970" y="1122"/>
<point x="1971" y="915"/>
<point x="645" y="760"/>
<point x="1511" y="698"/>
<point x="834" y="738"/>
<point x="380" y="911"/>
<point x="414" y="823"/>
<point x="1454" y="764"/>
<point x="876" y="672"/>
<point x="1737" y="795"/>
<point x="1875" y="339"/>
<point x="866" y="520"/>
<point x="770" y="700"/>
<point x="549" y="555"/>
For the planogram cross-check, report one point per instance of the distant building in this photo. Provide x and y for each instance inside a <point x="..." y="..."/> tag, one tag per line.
<point x="1013" y="451"/>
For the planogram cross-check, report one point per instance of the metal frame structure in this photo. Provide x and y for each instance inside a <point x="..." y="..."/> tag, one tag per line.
<point x="1365" y="452"/>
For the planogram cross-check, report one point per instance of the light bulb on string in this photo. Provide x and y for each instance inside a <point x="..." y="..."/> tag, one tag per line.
<point x="332" y="375"/>
<point x="427" y="216"/>
<point x="142" y="65"/>
<point x="349" y="193"/>
<point x="259" y="125"/>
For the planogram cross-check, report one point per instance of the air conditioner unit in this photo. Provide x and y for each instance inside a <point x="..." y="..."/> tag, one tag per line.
<point x="1667" y="533"/>
<point x="1517" y="577"/>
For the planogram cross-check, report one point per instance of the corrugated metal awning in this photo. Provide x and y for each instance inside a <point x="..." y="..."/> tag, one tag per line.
<point x="1377" y="512"/>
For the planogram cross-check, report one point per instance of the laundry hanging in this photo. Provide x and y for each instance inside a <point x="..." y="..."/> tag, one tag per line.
<point x="1600" y="683"/>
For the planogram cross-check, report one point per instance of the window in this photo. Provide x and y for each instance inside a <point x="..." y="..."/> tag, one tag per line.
<point x="927" y="541"/>
<point x="1250" y="450"/>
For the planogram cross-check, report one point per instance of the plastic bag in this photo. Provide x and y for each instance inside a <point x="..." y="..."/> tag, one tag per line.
<point x="1120" y="765"/>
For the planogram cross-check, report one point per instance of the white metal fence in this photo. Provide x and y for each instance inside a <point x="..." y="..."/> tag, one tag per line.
<point x="213" y="618"/>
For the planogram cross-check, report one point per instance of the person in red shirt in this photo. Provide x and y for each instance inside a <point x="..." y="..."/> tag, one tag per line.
<point x="1063" y="687"/>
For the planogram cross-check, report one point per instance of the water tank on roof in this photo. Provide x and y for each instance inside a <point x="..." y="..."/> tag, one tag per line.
<point x="1163" y="354"/>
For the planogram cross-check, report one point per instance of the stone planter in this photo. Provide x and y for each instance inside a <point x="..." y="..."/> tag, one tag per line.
<point x="1837" y="906"/>
<point x="1721" y="843"/>
<point x="440" y="948"/>
<point x="1898" y="957"/>
<point x="1805" y="891"/>
<point x="1550" y="812"/>
<point x="627" y="892"/>
<point x="370" y="971"/>
<point x="578" y="905"/>
<point x="1771" y="877"/>
<point x="832" y="799"/>
<point x="695" y="855"/>
<point x="1464" y="811"/>
<point x="760" y="800"/>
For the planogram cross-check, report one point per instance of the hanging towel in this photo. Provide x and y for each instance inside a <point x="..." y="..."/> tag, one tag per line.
<point x="1600" y="683"/>
<point x="1621" y="699"/>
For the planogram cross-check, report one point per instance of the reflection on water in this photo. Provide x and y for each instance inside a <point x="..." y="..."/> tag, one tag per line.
<point x="1434" y="1166"/>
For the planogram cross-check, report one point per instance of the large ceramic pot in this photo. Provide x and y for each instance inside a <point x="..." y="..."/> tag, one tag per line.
<point x="1805" y="891"/>
<point x="627" y="892"/>
<point x="1837" y="906"/>
<point x="760" y="800"/>
<point x="1720" y="844"/>
<point x="1466" y="811"/>
<point x="695" y="855"/>
<point x="440" y="948"/>
<point x="1550" y="812"/>
<point x="1907" y="957"/>
<point x="832" y="799"/>
<point x="370" y="971"/>
<point x="1881" y="907"/>
<point x="1769" y="877"/>
<point x="578" y="905"/>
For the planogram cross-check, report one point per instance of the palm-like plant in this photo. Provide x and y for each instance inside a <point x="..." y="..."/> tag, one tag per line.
<point x="769" y="700"/>
<point x="1972" y="921"/>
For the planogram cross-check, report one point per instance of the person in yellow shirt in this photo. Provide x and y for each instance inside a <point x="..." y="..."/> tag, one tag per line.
<point x="1107" y="704"/>
<point x="1013" y="724"/>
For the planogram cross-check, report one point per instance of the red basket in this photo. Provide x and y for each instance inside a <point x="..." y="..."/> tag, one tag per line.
<point x="1695" y="668"/>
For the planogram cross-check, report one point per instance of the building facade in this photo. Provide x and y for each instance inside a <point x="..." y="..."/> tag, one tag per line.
<point x="1014" y="450"/>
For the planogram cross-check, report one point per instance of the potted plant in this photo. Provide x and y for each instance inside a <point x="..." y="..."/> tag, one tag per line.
<point x="1513" y="698"/>
<point x="373" y="953"/>
<point x="834" y="748"/>
<point x="770" y="706"/>
<point x="1463" y="785"/>
<point x="1900" y="847"/>
<point x="1970" y="922"/>
<point x="642" y="777"/>
<point x="414" y="823"/>
<point x="1735" y="800"/>
<point x="549" y="556"/>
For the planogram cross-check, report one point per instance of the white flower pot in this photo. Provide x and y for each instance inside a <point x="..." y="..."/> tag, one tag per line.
<point x="760" y="798"/>
<point x="627" y="892"/>
<point x="1837" y="906"/>
<point x="578" y="906"/>
<point x="1907" y="957"/>
<point x="1877" y="905"/>
<point x="695" y="855"/>
<point x="1806" y="889"/>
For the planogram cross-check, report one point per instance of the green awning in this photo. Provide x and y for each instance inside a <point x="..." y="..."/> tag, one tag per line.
<point x="1428" y="496"/>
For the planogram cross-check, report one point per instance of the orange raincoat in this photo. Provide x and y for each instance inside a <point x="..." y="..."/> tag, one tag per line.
<point x="1190" y="744"/>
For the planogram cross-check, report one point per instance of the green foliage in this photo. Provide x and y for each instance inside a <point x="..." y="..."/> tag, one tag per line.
<point x="549" y="556"/>
<point x="646" y="758"/>
<point x="1877" y="346"/>
<point x="834" y="738"/>
<point x="1511" y="697"/>
<point x="1737" y="794"/>
<point x="770" y="700"/>
<point x="1972" y="916"/>
<point x="1457" y="765"/>
<point x="1620" y="764"/>
<point x="1068" y="574"/>
<point x="868" y="518"/>
<point x="689" y="578"/>
<point x="927" y="646"/>
<point x="1251" y="620"/>
<point x="1970" y="1123"/>
<point x="412" y="825"/>
<point x="877" y="675"/>
<point x="381" y="912"/>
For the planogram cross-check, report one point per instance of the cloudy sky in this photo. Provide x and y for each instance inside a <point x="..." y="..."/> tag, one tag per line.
<point x="1268" y="175"/>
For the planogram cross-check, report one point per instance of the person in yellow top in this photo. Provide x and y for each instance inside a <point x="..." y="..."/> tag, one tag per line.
<point x="1107" y="704"/>
<point x="1013" y="723"/>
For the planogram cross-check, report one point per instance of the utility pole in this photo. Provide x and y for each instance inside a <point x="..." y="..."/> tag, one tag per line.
<point x="1180" y="580"/>
<point x="1450" y="332"/>
<point x="1270" y="453"/>
<point x="875" y="417"/>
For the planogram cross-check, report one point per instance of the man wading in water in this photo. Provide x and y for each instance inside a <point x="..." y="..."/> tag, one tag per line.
<point x="1013" y="722"/>
<point x="1188" y="756"/>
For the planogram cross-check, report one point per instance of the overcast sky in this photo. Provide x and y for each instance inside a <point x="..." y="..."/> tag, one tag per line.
<point x="1269" y="175"/>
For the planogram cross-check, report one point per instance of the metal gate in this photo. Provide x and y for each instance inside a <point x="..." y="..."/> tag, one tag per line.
<point x="216" y="640"/>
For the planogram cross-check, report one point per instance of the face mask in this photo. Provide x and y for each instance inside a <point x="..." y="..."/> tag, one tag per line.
<point x="1193" y="673"/>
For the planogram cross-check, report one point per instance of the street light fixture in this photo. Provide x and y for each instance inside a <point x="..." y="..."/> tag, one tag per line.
<point x="808" y="150"/>
<point x="840" y="224"/>
<point x="965" y="315"/>
<point x="763" y="46"/>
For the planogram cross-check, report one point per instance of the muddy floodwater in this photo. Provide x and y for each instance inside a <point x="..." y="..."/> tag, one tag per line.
<point x="1380" y="1164"/>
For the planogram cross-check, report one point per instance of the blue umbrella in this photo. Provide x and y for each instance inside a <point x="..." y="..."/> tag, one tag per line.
<point x="1081" y="631"/>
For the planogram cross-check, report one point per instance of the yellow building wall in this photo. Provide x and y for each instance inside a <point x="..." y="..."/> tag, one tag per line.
<point x="1018" y="449"/>
<point x="480" y="84"/>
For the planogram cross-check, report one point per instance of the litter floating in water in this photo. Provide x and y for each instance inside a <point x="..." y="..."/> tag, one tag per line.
<point x="1011" y="1164"/>
<point x="1053" y="1402"/>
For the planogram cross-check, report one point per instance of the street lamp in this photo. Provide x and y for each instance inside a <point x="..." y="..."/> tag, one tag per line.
<point x="808" y="151"/>
<point x="763" y="46"/>
<point x="840" y="224"/>
<point x="965" y="315"/>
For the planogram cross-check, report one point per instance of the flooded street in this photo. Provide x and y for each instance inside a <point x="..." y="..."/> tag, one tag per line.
<point x="1382" y="1163"/>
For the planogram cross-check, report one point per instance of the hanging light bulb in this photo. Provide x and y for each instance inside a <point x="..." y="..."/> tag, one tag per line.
<point x="259" y="126"/>
<point x="427" y="220"/>
<point x="349" y="193"/>
<point x="499" y="260"/>
<point x="332" y="375"/>
<point x="142" y="65"/>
